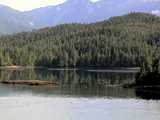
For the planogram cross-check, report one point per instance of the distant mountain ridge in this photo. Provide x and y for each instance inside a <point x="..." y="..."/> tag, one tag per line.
<point x="12" y="21"/>
<point x="71" y="11"/>
<point x="123" y="41"/>
<point x="85" y="11"/>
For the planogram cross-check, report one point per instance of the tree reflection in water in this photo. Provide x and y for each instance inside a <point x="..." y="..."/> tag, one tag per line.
<point x="73" y="82"/>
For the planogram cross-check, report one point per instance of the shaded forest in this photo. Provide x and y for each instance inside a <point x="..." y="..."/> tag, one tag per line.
<point x="123" y="41"/>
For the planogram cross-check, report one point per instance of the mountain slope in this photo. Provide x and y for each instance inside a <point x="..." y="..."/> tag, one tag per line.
<point x="85" y="11"/>
<point x="71" y="11"/>
<point x="12" y="21"/>
<point x="117" y="42"/>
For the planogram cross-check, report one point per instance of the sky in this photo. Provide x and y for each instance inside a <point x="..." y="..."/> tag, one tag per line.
<point x="24" y="5"/>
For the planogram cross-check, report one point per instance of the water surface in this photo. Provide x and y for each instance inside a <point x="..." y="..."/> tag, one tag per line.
<point x="80" y="95"/>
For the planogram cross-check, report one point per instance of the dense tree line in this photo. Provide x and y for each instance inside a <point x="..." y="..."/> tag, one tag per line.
<point x="149" y="73"/>
<point x="119" y="41"/>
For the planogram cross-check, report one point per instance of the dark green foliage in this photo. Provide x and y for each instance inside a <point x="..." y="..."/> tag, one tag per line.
<point x="120" y="41"/>
<point x="149" y="74"/>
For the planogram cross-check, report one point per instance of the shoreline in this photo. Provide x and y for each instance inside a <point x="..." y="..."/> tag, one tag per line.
<point x="90" y="69"/>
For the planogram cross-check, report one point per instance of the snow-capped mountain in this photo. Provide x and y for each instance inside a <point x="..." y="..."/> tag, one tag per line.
<point x="72" y="11"/>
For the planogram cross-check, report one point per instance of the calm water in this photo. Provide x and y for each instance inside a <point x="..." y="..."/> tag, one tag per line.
<point x="80" y="95"/>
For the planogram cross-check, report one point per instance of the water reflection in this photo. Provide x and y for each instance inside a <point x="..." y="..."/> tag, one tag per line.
<point x="71" y="83"/>
<point x="148" y="93"/>
<point x="79" y="95"/>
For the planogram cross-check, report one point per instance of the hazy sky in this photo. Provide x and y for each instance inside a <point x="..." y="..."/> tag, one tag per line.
<point x="24" y="5"/>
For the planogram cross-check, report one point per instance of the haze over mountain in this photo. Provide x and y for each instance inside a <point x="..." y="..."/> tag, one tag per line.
<point x="71" y="11"/>
<point x="13" y="21"/>
<point x="86" y="11"/>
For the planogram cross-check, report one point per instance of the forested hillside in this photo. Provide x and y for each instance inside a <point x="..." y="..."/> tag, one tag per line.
<point x="120" y="41"/>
